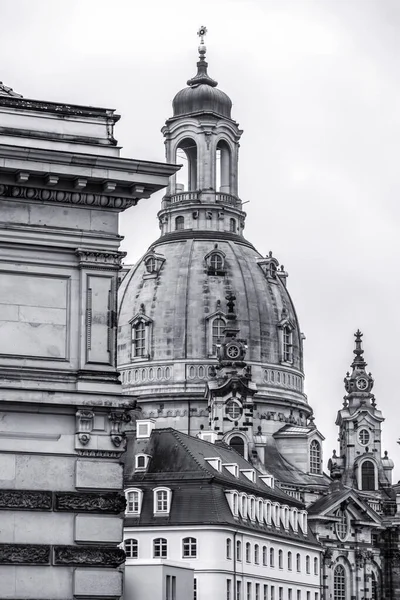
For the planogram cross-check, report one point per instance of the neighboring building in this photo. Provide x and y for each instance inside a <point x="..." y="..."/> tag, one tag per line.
<point x="211" y="347"/>
<point x="62" y="187"/>
<point x="200" y="519"/>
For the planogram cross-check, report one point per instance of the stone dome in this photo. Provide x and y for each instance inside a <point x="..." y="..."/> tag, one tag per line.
<point x="179" y="302"/>
<point x="203" y="98"/>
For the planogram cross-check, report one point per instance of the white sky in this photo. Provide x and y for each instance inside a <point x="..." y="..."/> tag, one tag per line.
<point x="315" y="86"/>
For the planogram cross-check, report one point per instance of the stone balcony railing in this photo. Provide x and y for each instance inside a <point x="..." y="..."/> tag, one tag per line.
<point x="217" y="197"/>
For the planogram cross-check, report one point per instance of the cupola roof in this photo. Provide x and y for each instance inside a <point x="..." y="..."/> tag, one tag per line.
<point x="202" y="94"/>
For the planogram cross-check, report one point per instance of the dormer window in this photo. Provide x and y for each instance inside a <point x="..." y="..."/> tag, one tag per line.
<point x="215" y="463"/>
<point x="315" y="457"/>
<point x="141" y="335"/>
<point x="287" y="344"/>
<point x="218" y="325"/>
<point x="249" y="473"/>
<point x="233" y="468"/>
<point x="232" y="225"/>
<point x="141" y="462"/>
<point x="162" y="500"/>
<point x="215" y="262"/>
<point x="144" y="428"/>
<point x="151" y="264"/>
<point x="233" y="500"/>
<point x="134" y="498"/>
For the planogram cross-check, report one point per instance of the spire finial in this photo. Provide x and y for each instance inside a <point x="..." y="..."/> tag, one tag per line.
<point x="358" y="351"/>
<point x="202" y="75"/>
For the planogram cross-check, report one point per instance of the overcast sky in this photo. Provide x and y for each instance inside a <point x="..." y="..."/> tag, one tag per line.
<point x="315" y="86"/>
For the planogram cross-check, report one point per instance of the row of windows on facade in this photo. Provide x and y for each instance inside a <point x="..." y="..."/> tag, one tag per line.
<point x="140" y="339"/>
<point x="161" y="499"/>
<point x="257" y="555"/>
<point x="265" y="511"/>
<point x="269" y="592"/>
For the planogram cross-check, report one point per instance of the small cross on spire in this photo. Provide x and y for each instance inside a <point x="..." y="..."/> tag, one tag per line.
<point x="201" y="33"/>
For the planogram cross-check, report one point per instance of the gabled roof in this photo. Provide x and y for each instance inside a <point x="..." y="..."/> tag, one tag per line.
<point x="7" y="91"/>
<point x="327" y="505"/>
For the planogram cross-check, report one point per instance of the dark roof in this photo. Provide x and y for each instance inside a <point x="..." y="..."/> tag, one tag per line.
<point x="287" y="473"/>
<point x="178" y="462"/>
<point x="177" y="456"/>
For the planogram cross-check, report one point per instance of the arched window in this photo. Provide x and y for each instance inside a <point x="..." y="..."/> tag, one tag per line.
<point x="151" y="264"/>
<point x="216" y="263"/>
<point x="237" y="443"/>
<point x="315" y="566"/>
<point x="189" y="547"/>
<point x="256" y="554"/>
<point x="308" y="565"/>
<point x="186" y="177"/>
<point x="280" y="559"/>
<point x="179" y="223"/>
<point x="289" y="561"/>
<point x="339" y="583"/>
<point x="228" y="548"/>
<point x="298" y="563"/>
<point x="223" y="168"/>
<point x="218" y="326"/>
<point x="248" y="549"/>
<point x="342" y="526"/>
<point x="238" y="550"/>
<point x="232" y="225"/>
<point x="161" y="500"/>
<point x="160" y="548"/>
<point x="131" y="548"/>
<point x="265" y="556"/>
<point x="368" y="475"/>
<point x="315" y="457"/>
<point x="140" y="338"/>
<point x="271" y="557"/>
<point x="133" y="501"/>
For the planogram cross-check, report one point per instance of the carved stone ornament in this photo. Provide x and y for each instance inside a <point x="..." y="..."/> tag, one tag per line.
<point x="84" y="425"/>
<point x="92" y="259"/>
<point x="88" y="555"/>
<point x="16" y="554"/>
<point x="65" y="197"/>
<point x="328" y="557"/>
<point x="117" y="419"/>
<point x="102" y="502"/>
<point x="25" y="500"/>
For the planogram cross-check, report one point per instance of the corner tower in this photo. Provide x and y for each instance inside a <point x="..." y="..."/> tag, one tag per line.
<point x="203" y="133"/>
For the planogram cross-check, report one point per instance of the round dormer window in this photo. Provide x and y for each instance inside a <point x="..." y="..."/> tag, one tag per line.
<point x="363" y="437"/>
<point x="233" y="409"/>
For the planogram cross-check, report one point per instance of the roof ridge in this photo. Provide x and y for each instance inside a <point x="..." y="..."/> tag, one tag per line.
<point x="176" y="434"/>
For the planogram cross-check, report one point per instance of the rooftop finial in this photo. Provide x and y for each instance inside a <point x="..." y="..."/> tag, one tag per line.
<point x="358" y="351"/>
<point x="202" y="75"/>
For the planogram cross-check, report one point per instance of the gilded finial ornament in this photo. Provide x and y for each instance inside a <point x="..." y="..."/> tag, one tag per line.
<point x="201" y="33"/>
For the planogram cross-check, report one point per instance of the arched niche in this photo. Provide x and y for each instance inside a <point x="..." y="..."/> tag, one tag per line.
<point x="223" y="167"/>
<point x="186" y="153"/>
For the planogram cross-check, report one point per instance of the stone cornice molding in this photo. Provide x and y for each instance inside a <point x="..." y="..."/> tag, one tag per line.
<point x="93" y="259"/>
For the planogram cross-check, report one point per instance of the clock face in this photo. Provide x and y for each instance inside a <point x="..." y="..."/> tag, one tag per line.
<point x="362" y="383"/>
<point x="233" y="351"/>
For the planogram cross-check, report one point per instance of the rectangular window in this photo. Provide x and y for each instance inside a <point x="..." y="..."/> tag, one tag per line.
<point x="298" y="594"/>
<point x="308" y="595"/>
<point x="257" y="591"/>
<point x="290" y="594"/>
<point x="316" y="595"/>
<point x="140" y="339"/>
<point x="287" y="345"/>
<point x="281" y="593"/>
<point x="248" y="590"/>
<point x="229" y="589"/>
<point x="265" y="593"/>
<point x="173" y="587"/>
<point x="133" y="502"/>
<point x="238" y="590"/>
<point x="168" y="587"/>
<point x="195" y="589"/>
<point x="162" y="501"/>
<point x="272" y="592"/>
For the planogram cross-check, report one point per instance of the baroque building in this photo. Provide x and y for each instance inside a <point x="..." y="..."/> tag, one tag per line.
<point x="210" y="345"/>
<point x="63" y="185"/>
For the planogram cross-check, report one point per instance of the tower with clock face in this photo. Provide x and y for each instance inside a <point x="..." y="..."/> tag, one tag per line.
<point x="360" y="461"/>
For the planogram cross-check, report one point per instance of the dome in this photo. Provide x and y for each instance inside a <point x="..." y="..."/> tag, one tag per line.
<point x="181" y="302"/>
<point x="202" y="94"/>
<point x="203" y="98"/>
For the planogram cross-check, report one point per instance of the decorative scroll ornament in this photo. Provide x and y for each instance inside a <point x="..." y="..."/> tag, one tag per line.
<point x="88" y="555"/>
<point x="117" y="419"/>
<point x="106" y="502"/>
<point x="14" y="554"/>
<point x="84" y="424"/>
<point x="25" y="500"/>
<point x="65" y="197"/>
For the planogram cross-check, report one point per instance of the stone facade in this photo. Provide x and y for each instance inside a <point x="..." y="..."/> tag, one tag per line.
<point x="62" y="187"/>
